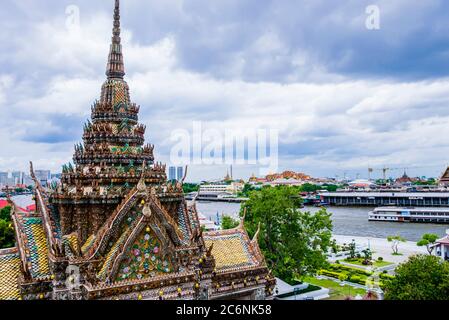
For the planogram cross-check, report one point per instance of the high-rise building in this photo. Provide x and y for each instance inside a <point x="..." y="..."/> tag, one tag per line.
<point x="3" y="178"/>
<point x="43" y="176"/>
<point x="17" y="177"/>
<point x="56" y="176"/>
<point x="27" y="180"/>
<point x="180" y="173"/>
<point x="172" y="173"/>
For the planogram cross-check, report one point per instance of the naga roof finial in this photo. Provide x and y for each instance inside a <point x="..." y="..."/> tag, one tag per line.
<point x="33" y="176"/>
<point x="242" y="221"/>
<point x="185" y="174"/>
<point x="115" y="68"/>
<point x="256" y="235"/>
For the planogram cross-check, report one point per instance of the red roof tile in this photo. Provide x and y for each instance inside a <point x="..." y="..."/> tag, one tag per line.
<point x="444" y="240"/>
<point x="3" y="203"/>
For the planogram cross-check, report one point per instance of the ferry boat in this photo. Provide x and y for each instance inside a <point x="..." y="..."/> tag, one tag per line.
<point x="417" y="215"/>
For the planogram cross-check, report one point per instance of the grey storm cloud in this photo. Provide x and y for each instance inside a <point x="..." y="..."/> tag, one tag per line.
<point x="278" y="40"/>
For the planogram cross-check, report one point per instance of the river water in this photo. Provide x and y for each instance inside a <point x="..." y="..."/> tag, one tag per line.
<point x="348" y="221"/>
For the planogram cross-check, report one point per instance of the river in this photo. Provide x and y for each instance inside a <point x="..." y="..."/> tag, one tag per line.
<point x="347" y="221"/>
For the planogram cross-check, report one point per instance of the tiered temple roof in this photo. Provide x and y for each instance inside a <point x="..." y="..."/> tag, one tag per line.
<point x="444" y="179"/>
<point x="288" y="175"/>
<point x="115" y="228"/>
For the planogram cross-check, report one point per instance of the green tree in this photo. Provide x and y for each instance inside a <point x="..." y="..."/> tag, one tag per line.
<point x="308" y="187"/>
<point x="331" y="187"/>
<point x="428" y="182"/>
<point x="395" y="240"/>
<point x="294" y="243"/>
<point x="367" y="256"/>
<point x="428" y="240"/>
<point x="247" y="188"/>
<point x="334" y="247"/>
<point x="190" y="187"/>
<point x="352" y="248"/>
<point x="422" y="277"/>
<point x="228" y="223"/>
<point x="5" y="214"/>
<point x="6" y="234"/>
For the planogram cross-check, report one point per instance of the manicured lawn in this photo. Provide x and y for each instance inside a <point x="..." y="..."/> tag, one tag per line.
<point x="337" y="292"/>
<point x="380" y="264"/>
<point x="377" y="264"/>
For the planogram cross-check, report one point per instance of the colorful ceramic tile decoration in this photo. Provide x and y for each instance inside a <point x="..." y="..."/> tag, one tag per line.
<point x="9" y="273"/>
<point x="37" y="251"/>
<point x="116" y="217"/>
<point x="120" y="102"/>
<point x="230" y="251"/>
<point x="144" y="258"/>
<point x="88" y="244"/>
<point x="126" y="149"/>
<point x="182" y="224"/>
<point x="113" y="252"/>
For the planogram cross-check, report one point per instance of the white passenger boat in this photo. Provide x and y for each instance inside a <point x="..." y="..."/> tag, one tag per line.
<point x="417" y="215"/>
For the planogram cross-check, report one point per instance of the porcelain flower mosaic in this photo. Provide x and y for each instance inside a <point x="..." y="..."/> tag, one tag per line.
<point x="144" y="259"/>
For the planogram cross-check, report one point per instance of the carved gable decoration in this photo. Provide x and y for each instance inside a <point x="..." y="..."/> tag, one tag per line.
<point x="144" y="258"/>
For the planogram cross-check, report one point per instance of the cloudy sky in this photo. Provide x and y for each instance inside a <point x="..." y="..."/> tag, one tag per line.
<point x="343" y="97"/>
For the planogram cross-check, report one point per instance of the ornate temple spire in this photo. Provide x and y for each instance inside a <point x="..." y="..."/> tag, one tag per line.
<point x="115" y="68"/>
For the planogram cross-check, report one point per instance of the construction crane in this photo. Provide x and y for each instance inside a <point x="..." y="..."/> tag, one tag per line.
<point x="386" y="169"/>
<point x="384" y="172"/>
<point x="370" y="170"/>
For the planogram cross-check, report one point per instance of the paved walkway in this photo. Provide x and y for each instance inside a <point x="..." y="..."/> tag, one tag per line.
<point x="382" y="248"/>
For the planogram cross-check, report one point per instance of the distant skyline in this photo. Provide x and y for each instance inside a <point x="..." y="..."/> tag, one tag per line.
<point x="344" y="98"/>
<point x="243" y="175"/>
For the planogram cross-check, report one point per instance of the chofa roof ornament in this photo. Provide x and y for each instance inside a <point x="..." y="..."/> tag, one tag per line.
<point x="242" y="220"/>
